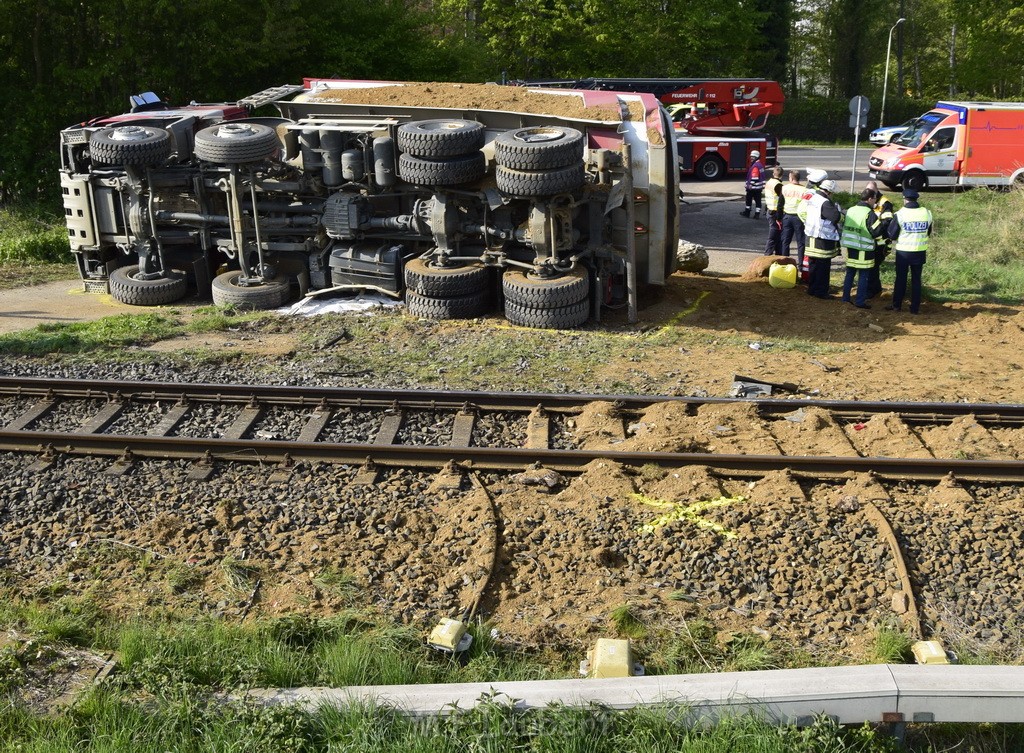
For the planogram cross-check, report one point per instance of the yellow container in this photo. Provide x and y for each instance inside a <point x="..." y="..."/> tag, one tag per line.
<point x="782" y="275"/>
<point x="929" y="652"/>
<point x="611" y="658"/>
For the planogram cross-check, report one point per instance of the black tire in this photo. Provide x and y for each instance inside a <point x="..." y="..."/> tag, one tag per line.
<point x="524" y="290"/>
<point x="142" y="146"/>
<point x="524" y="185"/>
<point x="438" y="139"/>
<point x="565" y="317"/>
<point x="450" y="172"/>
<point x="461" y="307"/>
<point x="710" y="167"/>
<point x="271" y="294"/>
<point x="125" y="287"/>
<point x="915" y="180"/>
<point x="236" y="143"/>
<point x="441" y="282"/>
<point x="539" y="148"/>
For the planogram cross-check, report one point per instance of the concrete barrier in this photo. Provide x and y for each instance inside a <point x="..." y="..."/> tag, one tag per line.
<point x="851" y="695"/>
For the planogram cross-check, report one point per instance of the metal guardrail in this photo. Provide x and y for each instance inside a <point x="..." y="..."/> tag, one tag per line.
<point x="850" y="695"/>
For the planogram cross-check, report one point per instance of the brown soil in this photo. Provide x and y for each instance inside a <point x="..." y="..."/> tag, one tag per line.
<point x="548" y="559"/>
<point x="477" y="97"/>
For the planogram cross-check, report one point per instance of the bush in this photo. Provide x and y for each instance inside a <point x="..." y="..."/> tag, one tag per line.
<point x="31" y="233"/>
<point x="828" y="120"/>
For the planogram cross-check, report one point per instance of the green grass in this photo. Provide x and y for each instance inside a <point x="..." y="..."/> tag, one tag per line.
<point x="169" y="670"/>
<point x="110" y="724"/>
<point x="892" y="646"/>
<point x="975" y="253"/>
<point x="32" y="234"/>
<point x="111" y="335"/>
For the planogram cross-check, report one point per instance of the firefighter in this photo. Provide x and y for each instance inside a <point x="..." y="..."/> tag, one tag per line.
<point x="773" y="210"/>
<point x="792" y="228"/>
<point x="884" y="210"/>
<point x="822" y="219"/>
<point x="861" y="228"/>
<point x="754" y="185"/>
<point x="910" y="228"/>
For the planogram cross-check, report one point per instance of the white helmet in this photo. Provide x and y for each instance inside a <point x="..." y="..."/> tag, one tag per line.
<point x="814" y="175"/>
<point x="755" y="154"/>
<point x="828" y="185"/>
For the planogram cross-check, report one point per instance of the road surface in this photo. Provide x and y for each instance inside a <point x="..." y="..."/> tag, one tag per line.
<point x="711" y="209"/>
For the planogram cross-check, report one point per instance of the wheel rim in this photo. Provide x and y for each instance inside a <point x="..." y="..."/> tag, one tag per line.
<point x="232" y="131"/>
<point x="130" y="133"/>
<point x="538" y="135"/>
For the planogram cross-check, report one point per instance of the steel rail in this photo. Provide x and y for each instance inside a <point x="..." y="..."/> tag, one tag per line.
<point x="935" y="412"/>
<point x="491" y="458"/>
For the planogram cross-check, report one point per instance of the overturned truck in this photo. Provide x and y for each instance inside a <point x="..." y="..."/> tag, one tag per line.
<point x="461" y="198"/>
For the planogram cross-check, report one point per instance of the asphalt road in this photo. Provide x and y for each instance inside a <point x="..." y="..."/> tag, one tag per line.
<point x="711" y="209"/>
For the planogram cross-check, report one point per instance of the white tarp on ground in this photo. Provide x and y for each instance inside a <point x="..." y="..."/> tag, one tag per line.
<point x="364" y="303"/>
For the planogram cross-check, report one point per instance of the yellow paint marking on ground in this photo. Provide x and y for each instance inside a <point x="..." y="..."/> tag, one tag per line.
<point x="691" y="513"/>
<point x="691" y="309"/>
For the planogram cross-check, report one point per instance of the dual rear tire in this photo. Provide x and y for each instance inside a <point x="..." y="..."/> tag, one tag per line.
<point x="439" y="292"/>
<point x="547" y="302"/>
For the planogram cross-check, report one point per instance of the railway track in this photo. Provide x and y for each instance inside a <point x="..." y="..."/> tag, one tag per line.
<point x="210" y="423"/>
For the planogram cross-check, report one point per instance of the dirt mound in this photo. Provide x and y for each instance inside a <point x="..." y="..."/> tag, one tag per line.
<point x="812" y="431"/>
<point x="598" y="426"/>
<point x="886" y="436"/>
<point x="965" y="438"/>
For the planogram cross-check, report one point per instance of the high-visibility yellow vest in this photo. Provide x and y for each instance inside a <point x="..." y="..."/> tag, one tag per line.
<point x="791" y="193"/>
<point x="771" y="199"/>
<point x="914" y="226"/>
<point x="856" y="238"/>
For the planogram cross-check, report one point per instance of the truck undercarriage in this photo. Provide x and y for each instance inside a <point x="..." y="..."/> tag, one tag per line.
<point x="429" y="203"/>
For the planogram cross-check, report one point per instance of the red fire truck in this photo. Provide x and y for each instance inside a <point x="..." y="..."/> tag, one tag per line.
<point x="718" y="121"/>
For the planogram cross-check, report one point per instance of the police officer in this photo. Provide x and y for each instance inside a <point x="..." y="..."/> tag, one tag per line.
<point x="910" y="229"/>
<point x="773" y="209"/>
<point x="792" y="228"/>
<point x="754" y="185"/>
<point x="884" y="210"/>
<point x="822" y="219"/>
<point x="861" y="227"/>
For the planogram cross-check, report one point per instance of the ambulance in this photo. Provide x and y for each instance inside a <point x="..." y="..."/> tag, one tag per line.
<point x="956" y="144"/>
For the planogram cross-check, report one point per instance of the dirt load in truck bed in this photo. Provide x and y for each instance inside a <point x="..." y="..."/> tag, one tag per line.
<point x="475" y="97"/>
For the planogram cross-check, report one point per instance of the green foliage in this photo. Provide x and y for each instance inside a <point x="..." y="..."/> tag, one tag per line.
<point x="31" y="233"/>
<point x="892" y="646"/>
<point x="627" y="622"/>
<point x="828" y="120"/>
<point x="111" y="724"/>
<point x="111" y="333"/>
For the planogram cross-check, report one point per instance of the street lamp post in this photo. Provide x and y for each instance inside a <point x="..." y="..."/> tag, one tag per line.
<point x="885" y="78"/>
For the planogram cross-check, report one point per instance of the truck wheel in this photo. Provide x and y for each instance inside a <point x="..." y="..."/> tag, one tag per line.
<point x="916" y="180"/>
<point x="140" y="146"/>
<point x="710" y="167"/>
<point x="461" y="307"/>
<point x="236" y="143"/>
<point x="564" y="317"/>
<point x="449" y="172"/>
<point x="270" y="294"/>
<point x="520" y="184"/>
<point x="127" y="287"/>
<point x="520" y="287"/>
<point x="437" y="139"/>
<point x="539" y="148"/>
<point x="445" y="282"/>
